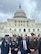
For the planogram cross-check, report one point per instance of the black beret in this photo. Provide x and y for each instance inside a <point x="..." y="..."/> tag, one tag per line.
<point x="32" y="34"/>
<point x="6" y="35"/>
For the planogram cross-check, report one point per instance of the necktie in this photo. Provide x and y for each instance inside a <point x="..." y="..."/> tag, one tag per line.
<point x="24" y="45"/>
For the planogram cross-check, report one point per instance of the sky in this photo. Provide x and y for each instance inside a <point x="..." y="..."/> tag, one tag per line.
<point x="32" y="8"/>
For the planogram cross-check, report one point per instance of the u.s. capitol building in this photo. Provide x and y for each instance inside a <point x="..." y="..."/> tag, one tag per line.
<point x="19" y="24"/>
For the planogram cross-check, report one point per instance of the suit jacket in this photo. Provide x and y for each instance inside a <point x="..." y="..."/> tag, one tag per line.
<point x="21" y="46"/>
<point x="39" y="46"/>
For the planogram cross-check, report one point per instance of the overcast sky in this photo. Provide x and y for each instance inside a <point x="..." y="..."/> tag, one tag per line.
<point x="32" y="8"/>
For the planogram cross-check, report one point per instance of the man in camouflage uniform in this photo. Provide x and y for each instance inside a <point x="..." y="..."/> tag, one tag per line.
<point x="33" y="45"/>
<point x="14" y="45"/>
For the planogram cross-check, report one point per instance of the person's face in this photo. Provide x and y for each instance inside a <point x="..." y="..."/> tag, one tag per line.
<point x="32" y="37"/>
<point x="24" y="37"/>
<point x="14" y="37"/>
<point x="6" y="38"/>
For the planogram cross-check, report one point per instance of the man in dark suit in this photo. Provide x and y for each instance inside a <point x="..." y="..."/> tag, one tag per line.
<point x="24" y="45"/>
<point x="39" y="45"/>
<point x="5" y="45"/>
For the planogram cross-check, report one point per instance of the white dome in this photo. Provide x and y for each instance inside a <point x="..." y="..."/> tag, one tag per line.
<point x="19" y="13"/>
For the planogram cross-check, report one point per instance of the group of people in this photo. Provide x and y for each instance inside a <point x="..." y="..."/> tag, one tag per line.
<point x="25" y="44"/>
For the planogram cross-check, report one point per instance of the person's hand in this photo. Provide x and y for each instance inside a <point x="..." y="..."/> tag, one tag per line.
<point x="32" y="50"/>
<point x="16" y="49"/>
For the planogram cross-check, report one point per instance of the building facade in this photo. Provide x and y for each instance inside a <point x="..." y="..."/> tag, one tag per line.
<point x="19" y="24"/>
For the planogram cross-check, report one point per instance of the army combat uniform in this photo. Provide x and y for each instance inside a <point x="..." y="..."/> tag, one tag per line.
<point x="14" y="45"/>
<point x="34" y="45"/>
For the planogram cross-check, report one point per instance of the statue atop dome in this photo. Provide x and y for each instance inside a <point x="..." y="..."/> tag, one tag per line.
<point x="20" y="6"/>
<point x="20" y="13"/>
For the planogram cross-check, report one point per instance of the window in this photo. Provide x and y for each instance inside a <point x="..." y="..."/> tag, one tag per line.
<point x="10" y="29"/>
<point x="24" y="30"/>
<point x="15" y="21"/>
<point x="33" y="30"/>
<point x="27" y="21"/>
<point x="19" y="29"/>
<point x="28" y="30"/>
<point x="37" y="29"/>
<point x="15" y="24"/>
<point x="19" y="21"/>
<point x="14" y="29"/>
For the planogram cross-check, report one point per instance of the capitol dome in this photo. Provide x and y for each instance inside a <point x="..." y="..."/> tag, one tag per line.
<point x="20" y="13"/>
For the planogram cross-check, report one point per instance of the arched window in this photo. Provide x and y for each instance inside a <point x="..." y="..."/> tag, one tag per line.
<point x="15" y="21"/>
<point x="19" y="29"/>
<point x="18" y="22"/>
<point x="14" y="29"/>
<point x="21" y="21"/>
<point x="15" y="24"/>
<point x="33" y="30"/>
<point x="37" y="29"/>
<point x="24" y="30"/>
<point x="28" y="30"/>
<point x="10" y="29"/>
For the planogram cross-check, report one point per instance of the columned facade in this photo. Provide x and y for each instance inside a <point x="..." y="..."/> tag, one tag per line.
<point x="19" y="24"/>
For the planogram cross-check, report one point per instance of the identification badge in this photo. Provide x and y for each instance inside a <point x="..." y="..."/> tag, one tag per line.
<point x="16" y="41"/>
<point x="10" y="44"/>
<point x="5" y="44"/>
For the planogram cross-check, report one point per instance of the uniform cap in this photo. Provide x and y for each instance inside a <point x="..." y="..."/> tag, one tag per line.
<point x="6" y="35"/>
<point x="32" y="34"/>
